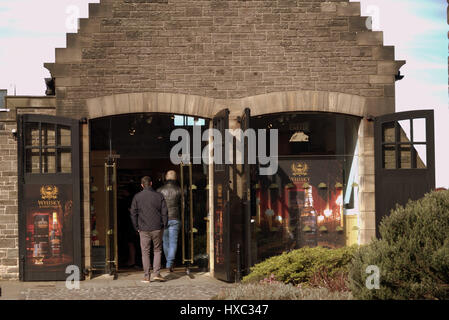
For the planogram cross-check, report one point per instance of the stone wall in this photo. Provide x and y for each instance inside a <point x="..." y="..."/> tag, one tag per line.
<point x="9" y="230"/>
<point x="9" y="242"/>
<point x="223" y="50"/>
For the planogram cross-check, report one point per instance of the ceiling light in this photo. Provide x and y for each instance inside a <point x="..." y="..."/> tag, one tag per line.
<point x="299" y="136"/>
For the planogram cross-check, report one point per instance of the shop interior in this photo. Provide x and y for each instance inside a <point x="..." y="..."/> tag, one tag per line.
<point x="140" y="145"/>
<point x="310" y="200"/>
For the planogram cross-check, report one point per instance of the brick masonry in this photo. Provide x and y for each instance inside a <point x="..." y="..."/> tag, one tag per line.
<point x="223" y="50"/>
<point x="9" y="230"/>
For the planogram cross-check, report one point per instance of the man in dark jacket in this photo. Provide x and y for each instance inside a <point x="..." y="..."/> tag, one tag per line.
<point x="172" y="195"/>
<point x="149" y="217"/>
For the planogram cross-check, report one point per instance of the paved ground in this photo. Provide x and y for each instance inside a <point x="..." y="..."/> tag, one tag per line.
<point x="128" y="286"/>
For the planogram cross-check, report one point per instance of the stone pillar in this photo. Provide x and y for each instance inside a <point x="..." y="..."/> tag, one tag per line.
<point x="367" y="183"/>
<point x="85" y="196"/>
<point x="211" y="204"/>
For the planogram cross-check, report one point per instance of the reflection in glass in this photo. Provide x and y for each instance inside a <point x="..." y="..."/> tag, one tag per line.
<point x="405" y="156"/>
<point x="421" y="156"/>
<point x="64" y="161"/>
<point x="49" y="160"/>
<point x="32" y="134"/>
<point x="404" y="133"/>
<point x="388" y="132"/>
<point x="64" y="136"/>
<point x="48" y="134"/>
<point x="419" y="130"/>
<point x="389" y="157"/>
<point x="32" y="161"/>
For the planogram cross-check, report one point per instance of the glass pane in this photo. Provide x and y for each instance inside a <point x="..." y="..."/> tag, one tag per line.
<point x="32" y="134"/>
<point x="48" y="134"/>
<point x="64" y="136"/>
<point x="419" y="130"/>
<point x="421" y="156"/>
<point x="405" y="156"/>
<point x="48" y="160"/>
<point x="32" y="161"/>
<point x="404" y="131"/>
<point x="65" y="161"/>
<point x="388" y="132"/>
<point x="389" y="157"/>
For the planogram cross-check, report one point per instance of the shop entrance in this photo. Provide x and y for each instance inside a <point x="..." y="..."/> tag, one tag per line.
<point x="123" y="150"/>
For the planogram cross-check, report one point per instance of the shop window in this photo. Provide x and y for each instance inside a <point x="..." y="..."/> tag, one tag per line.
<point x="180" y="120"/>
<point x="404" y="144"/>
<point x="47" y="148"/>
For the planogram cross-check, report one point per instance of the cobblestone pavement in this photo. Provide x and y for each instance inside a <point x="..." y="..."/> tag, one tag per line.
<point x="128" y="286"/>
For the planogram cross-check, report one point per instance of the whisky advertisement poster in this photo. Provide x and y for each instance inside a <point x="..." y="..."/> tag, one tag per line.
<point x="49" y="232"/>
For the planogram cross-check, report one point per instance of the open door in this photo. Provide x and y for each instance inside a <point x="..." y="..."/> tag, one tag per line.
<point x="187" y="229"/>
<point x="246" y="196"/>
<point x="222" y="237"/>
<point x="49" y="197"/>
<point x="404" y="159"/>
<point x="110" y="187"/>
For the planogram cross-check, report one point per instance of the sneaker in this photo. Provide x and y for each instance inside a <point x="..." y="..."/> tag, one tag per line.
<point x="171" y="269"/>
<point x="159" y="278"/>
<point x="146" y="280"/>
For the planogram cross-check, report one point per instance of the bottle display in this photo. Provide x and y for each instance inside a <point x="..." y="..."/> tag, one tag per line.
<point x="55" y="237"/>
<point x="308" y="220"/>
<point x="41" y="230"/>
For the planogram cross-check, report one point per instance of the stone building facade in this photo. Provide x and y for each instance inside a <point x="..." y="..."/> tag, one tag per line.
<point x="198" y="57"/>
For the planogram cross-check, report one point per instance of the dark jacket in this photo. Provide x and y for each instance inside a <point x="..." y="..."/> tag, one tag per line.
<point x="172" y="195"/>
<point x="149" y="211"/>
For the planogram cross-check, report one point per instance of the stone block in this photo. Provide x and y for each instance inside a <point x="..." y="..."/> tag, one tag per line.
<point x="7" y="243"/>
<point x="9" y="262"/>
<point x="348" y="9"/>
<point x="383" y="53"/>
<point x="378" y="106"/>
<point x="367" y="183"/>
<point x="369" y="38"/>
<point x="367" y="236"/>
<point x="367" y="220"/>
<point x="366" y="165"/>
<point x="67" y="55"/>
<point x="328" y="7"/>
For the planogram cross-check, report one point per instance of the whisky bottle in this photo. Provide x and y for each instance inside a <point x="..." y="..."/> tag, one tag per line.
<point x="55" y="237"/>
<point x="41" y="233"/>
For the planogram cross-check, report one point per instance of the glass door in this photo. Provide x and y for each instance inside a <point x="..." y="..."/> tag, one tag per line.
<point x="110" y="176"/>
<point x="222" y="238"/>
<point x="187" y="229"/>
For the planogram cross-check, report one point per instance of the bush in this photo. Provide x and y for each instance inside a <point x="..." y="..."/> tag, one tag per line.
<point x="279" y="291"/>
<point x="301" y="265"/>
<point x="337" y="282"/>
<point x="412" y="255"/>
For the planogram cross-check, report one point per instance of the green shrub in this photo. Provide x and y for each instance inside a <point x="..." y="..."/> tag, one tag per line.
<point x="279" y="291"/>
<point x="412" y="255"/>
<point x="299" y="266"/>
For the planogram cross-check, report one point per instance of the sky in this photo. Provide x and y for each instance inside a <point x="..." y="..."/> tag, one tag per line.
<point x="30" y="31"/>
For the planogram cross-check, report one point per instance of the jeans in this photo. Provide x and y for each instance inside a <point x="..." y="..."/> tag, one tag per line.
<point x="170" y="241"/>
<point x="146" y="238"/>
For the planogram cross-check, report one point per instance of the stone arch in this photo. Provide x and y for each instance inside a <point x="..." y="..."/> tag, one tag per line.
<point x="150" y="102"/>
<point x="303" y="100"/>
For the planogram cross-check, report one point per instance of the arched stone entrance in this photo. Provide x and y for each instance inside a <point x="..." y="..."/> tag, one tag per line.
<point x="271" y="103"/>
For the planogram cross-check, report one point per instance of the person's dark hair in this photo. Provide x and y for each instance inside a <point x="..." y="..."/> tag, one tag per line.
<point x="146" y="181"/>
